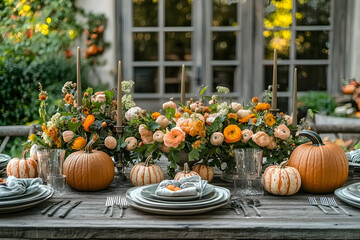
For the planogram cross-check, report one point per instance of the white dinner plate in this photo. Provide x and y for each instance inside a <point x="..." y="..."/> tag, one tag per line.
<point x="176" y="212"/>
<point x="17" y="208"/>
<point x="350" y="196"/>
<point x="204" y="198"/>
<point x="136" y="197"/>
<point x="342" y="197"/>
<point x="354" y="189"/>
<point x="41" y="193"/>
<point x="150" y="189"/>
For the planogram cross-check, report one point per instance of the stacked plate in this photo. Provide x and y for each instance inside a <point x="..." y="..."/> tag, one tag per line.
<point x="26" y="200"/>
<point x="144" y="198"/>
<point x="350" y="194"/>
<point x="4" y="160"/>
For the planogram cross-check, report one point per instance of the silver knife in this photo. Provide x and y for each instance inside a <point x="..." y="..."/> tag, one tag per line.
<point x="50" y="206"/>
<point x="57" y="208"/>
<point x="69" y="209"/>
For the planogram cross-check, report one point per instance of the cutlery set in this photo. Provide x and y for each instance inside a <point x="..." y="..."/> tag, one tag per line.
<point x="328" y="202"/>
<point x="54" y="207"/>
<point x="118" y="201"/>
<point x="239" y="203"/>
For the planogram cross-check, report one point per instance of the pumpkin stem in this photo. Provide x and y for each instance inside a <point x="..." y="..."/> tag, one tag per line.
<point x="284" y="164"/>
<point x="186" y="168"/>
<point x="88" y="147"/>
<point x="313" y="136"/>
<point x="23" y="155"/>
<point x="147" y="161"/>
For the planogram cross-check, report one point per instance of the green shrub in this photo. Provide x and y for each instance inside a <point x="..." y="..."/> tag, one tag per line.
<point x="321" y="102"/>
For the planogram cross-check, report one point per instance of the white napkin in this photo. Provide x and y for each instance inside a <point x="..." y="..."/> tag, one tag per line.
<point x="190" y="186"/>
<point x="353" y="156"/>
<point x="17" y="186"/>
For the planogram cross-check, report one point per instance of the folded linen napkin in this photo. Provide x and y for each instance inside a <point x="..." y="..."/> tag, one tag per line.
<point x="353" y="156"/>
<point x="16" y="186"/>
<point x="190" y="186"/>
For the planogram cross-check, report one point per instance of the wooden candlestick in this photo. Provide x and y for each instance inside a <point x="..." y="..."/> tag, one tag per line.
<point x="274" y="84"/>
<point x="182" y="93"/>
<point x="294" y="106"/>
<point x="78" y="79"/>
<point x="119" y="99"/>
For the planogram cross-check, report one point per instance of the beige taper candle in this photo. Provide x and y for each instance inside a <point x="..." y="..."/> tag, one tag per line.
<point x="294" y="106"/>
<point x="182" y="93"/>
<point x="119" y="98"/>
<point x="274" y="84"/>
<point x="78" y="79"/>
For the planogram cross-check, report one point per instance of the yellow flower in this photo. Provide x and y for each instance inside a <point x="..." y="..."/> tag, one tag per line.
<point x="48" y="20"/>
<point x="26" y="8"/>
<point x="72" y="34"/>
<point x="44" y="29"/>
<point x="78" y="143"/>
<point x="270" y="119"/>
<point x="232" y="115"/>
<point x="32" y="137"/>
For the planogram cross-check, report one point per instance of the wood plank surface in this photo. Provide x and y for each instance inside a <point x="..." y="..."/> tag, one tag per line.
<point x="284" y="217"/>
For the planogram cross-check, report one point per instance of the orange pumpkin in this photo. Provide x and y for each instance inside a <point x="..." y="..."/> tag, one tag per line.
<point x="348" y="89"/>
<point x="22" y="167"/>
<point x="145" y="173"/>
<point x="110" y="142"/>
<point x="89" y="170"/>
<point x="185" y="173"/>
<point x="281" y="180"/>
<point x="205" y="172"/>
<point x="323" y="166"/>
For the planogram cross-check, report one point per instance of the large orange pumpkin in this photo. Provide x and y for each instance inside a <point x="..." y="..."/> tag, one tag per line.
<point x="89" y="170"/>
<point x="185" y="173"/>
<point x="22" y="167"/>
<point x="323" y="166"/>
<point x="205" y="172"/>
<point x="145" y="173"/>
<point x="281" y="180"/>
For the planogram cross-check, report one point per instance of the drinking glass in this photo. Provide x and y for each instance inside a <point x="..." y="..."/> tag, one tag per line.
<point x="247" y="181"/>
<point x="58" y="183"/>
<point x="50" y="163"/>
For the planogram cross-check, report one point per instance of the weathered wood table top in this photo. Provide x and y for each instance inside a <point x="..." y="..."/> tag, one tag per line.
<point x="286" y="217"/>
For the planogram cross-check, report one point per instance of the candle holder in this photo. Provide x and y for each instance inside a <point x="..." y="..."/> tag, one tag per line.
<point x="274" y="111"/>
<point x="120" y="164"/>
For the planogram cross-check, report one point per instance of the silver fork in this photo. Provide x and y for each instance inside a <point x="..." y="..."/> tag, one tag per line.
<point x="122" y="205"/>
<point x="324" y="201"/>
<point x="109" y="201"/>
<point x="333" y="203"/>
<point x="313" y="202"/>
<point x="254" y="205"/>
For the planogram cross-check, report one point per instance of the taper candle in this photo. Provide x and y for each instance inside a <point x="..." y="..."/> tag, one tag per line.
<point x="294" y="106"/>
<point x="274" y="84"/>
<point x="119" y="98"/>
<point x="78" y="79"/>
<point x="182" y="94"/>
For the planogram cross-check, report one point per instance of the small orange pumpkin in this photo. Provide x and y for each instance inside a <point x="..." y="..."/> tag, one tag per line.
<point x="89" y="170"/>
<point x="323" y="166"/>
<point x="205" y="172"/>
<point x="349" y="89"/>
<point x="185" y="173"/>
<point x="22" y="167"/>
<point x="145" y="173"/>
<point x="281" y="180"/>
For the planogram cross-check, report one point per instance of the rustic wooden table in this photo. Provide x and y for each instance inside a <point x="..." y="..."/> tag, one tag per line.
<point x="285" y="217"/>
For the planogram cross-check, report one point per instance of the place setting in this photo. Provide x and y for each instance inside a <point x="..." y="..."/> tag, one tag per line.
<point x="350" y="194"/>
<point x="189" y="195"/>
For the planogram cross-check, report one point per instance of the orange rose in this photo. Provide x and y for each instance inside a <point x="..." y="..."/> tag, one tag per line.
<point x="246" y="135"/>
<point x="232" y="133"/>
<point x="232" y="115"/>
<point x="174" y="137"/>
<point x="90" y="119"/>
<point x="246" y="119"/>
<point x="255" y="100"/>
<point x="78" y="143"/>
<point x="254" y="121"/>
<point x="155" y="115"/>
<point x="282" y="132"/>
<point x="272" y="144"/>
<point x="262" y="107"/>
<point x="52" y="132"/>
<point x="261" y="138"/>
<point x="270" y="119"/>
<point x="198" y="125"/>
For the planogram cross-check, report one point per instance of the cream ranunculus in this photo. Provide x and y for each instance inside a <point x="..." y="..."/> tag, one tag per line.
<point x="272" y="144"/>
<point x="246" y="135"/>
<point x="236" y="106"/>
<point x="243" y="113"/>
<point x="132" y="113"/>
<point x="217" y="138"/>
<point x="282" y="132"/>
<point x="131" y="143"/>
<point x="159" y="136"/>
<point x="261" y="138"/>
<point x="288" y="119"/>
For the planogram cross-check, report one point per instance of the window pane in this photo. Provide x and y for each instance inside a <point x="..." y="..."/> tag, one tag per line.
<point x="145" y="46"/>
<point x="277" y="13"/>
<point x="177" y="13"/>
<point x="313" y="12"/>
<point x="312" y="78"/>
<point x="224" y="13"/>
<point x="146" y="79"/>
<point x="312" y="45"/>
<point x="282" y="77"/>
<point x="173" y="79"/>
<point x="224" y="76"/>
<point x="178" y="46"/>
<point x="279" y="40"/>
<point x="145" y="13"/>
<point x="224" y="45"/>
<point x="282" y="103"/>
